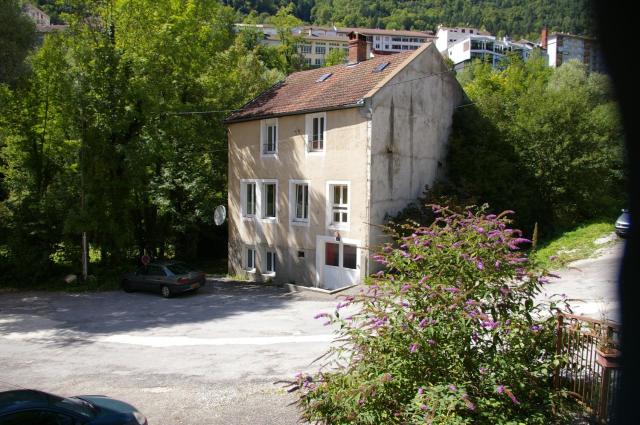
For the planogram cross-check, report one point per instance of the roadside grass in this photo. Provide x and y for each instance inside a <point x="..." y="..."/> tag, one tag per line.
<point x="573" y="245"/>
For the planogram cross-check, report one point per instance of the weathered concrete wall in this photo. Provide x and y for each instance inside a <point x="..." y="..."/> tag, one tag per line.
<point x="412" y="117"/>
<point x="345" y="158"/>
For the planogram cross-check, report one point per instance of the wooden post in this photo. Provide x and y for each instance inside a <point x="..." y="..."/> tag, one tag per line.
<point x="559" y="335"/>
<point x="608" y="361"/>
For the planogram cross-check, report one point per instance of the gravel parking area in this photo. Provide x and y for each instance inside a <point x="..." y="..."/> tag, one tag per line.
<point x="198" y="359"/>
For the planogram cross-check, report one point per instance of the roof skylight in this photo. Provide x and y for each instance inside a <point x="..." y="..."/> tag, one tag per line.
<point x="380" y="67"/>
<point x="323" y="77"/>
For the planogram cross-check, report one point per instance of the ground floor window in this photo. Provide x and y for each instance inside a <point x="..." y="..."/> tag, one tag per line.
<point x="271" y="262"/>
<point x="251" y="259"/>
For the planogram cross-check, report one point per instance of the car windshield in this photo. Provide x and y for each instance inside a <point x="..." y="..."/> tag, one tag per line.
<point x="179" y="268"/>
<point x="78" y="405"/>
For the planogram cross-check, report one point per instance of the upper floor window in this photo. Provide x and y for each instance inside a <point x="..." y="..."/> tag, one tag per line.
<point x="249" y="199"/>
<point x="269" y="137"/>
<point x="268" y="200"/>
<point x="338" y="204"/>
<point x="258" y="199"/>
<point x="305" y="48"/>
<point x="316" y="132"/>
<point x="299" y="196"/>
<point x="321" y="50"/>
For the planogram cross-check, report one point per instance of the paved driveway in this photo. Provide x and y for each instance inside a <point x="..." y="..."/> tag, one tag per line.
<point x="591" y="285"/>
<point x="198" y="359"/>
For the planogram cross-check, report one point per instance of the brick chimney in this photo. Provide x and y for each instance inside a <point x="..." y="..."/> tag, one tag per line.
<point x="543" y="38"/>
<point x="357" y="47"/>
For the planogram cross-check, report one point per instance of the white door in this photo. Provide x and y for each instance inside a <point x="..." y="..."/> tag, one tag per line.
<point x="338" y="263"/>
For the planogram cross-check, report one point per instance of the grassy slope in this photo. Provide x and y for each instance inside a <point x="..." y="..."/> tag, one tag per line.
<point x="570" y="246"/>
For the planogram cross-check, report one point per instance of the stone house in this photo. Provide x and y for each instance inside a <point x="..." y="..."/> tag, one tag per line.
<point x="321" y="158"/>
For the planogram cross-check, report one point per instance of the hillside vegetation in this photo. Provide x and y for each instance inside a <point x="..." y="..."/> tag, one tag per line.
<point x="512" y="17"/>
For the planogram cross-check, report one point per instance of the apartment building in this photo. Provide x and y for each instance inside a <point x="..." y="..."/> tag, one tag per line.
<point x="487" y="48"/>
<point x="320" y="159"/>
<point x="319" y="41"/>
<point x="448" y="36"/>
<point x="563" y="47"/>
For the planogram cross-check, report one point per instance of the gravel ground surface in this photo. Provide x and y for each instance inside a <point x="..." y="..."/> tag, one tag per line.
<point x="198" y="359"/>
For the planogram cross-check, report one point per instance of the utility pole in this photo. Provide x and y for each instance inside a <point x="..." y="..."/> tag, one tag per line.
<point x="85" y="256"/>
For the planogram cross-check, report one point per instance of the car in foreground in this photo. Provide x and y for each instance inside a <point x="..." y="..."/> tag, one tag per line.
<point x="623" y="224"/>
<point x="168" y="278"/>
<point x="32" y="407"/>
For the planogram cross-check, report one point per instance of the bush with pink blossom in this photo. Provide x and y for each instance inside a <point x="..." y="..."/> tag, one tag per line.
<point x="448" y="333"/>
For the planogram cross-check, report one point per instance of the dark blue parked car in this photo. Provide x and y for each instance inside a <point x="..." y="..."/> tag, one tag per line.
<point x="31" y="407"/>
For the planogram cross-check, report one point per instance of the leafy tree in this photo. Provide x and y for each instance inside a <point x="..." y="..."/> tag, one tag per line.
<point x="17" y="37"/>
<point x="335" y="57"/>
<point x="119" y="132"/>
<point x="550" y="142"/>
<point x="285" y="22"/>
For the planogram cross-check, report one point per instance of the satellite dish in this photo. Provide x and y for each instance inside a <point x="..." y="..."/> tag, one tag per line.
<point x="219" y="215"/>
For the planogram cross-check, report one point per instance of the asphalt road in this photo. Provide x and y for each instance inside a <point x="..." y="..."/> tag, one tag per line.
<point x="591" y="284"/>
<point x="198" y="359"/>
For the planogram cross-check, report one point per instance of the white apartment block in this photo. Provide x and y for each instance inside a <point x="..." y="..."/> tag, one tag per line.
<point x="486" y="48"/>
<point x="562" y="48"/>
<point x="448" y="36"/>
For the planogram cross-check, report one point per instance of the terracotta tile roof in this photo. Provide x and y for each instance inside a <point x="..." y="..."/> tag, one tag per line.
<point x="300" y="92"/>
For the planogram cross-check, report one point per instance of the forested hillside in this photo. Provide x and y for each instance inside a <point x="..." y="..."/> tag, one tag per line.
<point x="512" y="17"/>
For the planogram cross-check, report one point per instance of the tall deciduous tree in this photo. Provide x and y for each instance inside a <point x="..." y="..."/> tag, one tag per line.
<point x="545" y="142"/>
<point x="17" y="36"/>
<point x="119" y="133"/>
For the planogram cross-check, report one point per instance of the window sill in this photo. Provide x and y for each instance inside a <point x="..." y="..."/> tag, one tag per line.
<point x="340" y="226"/>
<point x="269" y="154"/>
<point x="251" y="271"/>
<point x="300" y="223"/>
<point x="269" y="220"/>
<point x="270" y="274"/>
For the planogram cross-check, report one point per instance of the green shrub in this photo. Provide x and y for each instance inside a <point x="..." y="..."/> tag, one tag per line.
<point x="448" y="333"/>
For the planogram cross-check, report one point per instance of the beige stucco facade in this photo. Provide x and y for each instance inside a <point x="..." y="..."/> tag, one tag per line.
<point x="343" y="161"/>
<point x="386" y="150"/>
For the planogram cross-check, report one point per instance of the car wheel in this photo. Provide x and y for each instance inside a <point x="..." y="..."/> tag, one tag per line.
<point x="126" y="286"/>
<point x="166" y="292"/>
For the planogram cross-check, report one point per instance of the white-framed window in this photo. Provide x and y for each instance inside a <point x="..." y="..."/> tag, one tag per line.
<point x="338" y="204"/>
<point x="299" y="202"/>
<point x="321" y="50"/>
<point x="319" y="62"/>
<point x="316" y="132"/>
<point x="250" y="259"/>
<point x="305" y="48"/>
<point x="258" y="199"/>
<point x="269" y="137"/>
<point x="270" y="262"/>
<point x="248" y="198"/>
<point x="269" y="199"/>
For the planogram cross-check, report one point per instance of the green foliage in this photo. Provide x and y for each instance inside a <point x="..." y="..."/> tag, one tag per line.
<point x="547" y="143"/>
<point x="573" y="245"/>
<point x="448" y="333"/>
<point x="335" y="57"/>
<point x="17" y="36"/>
<point x="285" y="22"/>
<point x="102" y="139"/>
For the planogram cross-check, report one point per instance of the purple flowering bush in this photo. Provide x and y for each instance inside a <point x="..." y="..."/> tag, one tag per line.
<point x="447" y="333"/>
